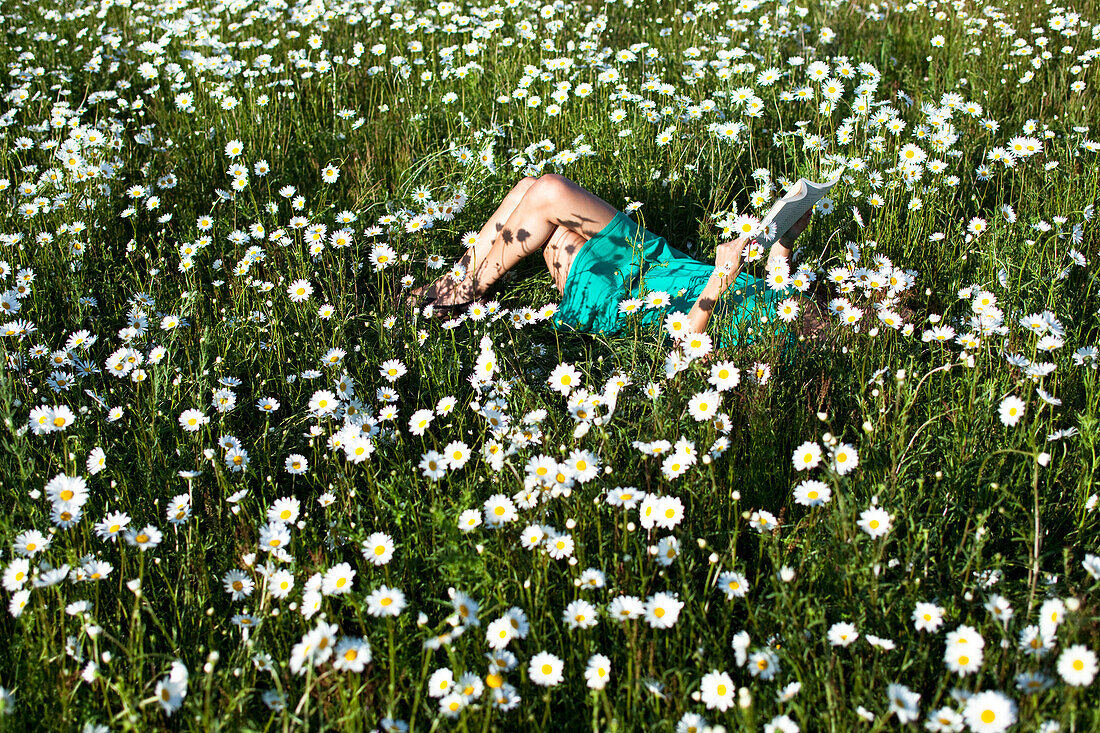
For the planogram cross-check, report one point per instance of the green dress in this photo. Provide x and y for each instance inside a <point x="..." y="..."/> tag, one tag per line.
<point x="625" y="260"/>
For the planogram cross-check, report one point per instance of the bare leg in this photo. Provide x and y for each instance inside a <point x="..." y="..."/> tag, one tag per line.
<point x="559" y="253"/>
<point x="552" y="202"/>
<point x="484" y="243"/>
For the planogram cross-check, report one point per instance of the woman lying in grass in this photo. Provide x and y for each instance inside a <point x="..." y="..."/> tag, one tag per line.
<point x="607" y="267"/>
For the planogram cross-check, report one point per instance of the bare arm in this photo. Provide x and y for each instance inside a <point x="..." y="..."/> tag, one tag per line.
<point x="727" y="266"/>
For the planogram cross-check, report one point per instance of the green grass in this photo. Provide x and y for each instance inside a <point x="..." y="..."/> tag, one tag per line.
<point x="981" y="512"/>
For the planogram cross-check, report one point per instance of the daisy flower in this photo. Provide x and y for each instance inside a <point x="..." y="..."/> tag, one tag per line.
<point x="842" y="633"/>
<point x="874" y="521"/>
<point x="716" y="690"/>
<point x="433" y="465"/>
<point x="386" y="601"/>
<point x="338" y="580"/>
<point x="845" y="458"/>
<point x="499" y="510"/>
<point x="703" y="405"/>
<point x="764" y="664"/>
<point x="563" y="378"/>
<point x="1077" y="665"/>
<point x="724" y="375"/>
<point x="597" y="672"/>
<point x="545" y="669"/>
<point x="392" y="369"/>
<point x="927" y="617"/>
<point x="456" y="453"/>
<point x="352" y="654"/>
<point x="763" y="521"/>
<point x="284" y="510"/>
<point x="1011" y="410"/>
<point x="299" y="291"/>
<point x="676" y="324"/>
<point x="469" y="519"/>
<point x="807" y="456"/>
<point x="580" y="614"/>
<point x="662" y="610"/>
<point x="733" y="584"/>
<point x="296" y="463"/>
<point x="625" y="608"/>
<point x="657" y="299"/>
<point x="378" y="548"/>
<point x="989" y="712"/>
<point x="812" y="493"/>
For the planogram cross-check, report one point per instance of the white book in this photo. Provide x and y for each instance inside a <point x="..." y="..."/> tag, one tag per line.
<point x="800" y="198"/>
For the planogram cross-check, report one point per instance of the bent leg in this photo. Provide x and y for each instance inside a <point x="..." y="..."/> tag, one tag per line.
<point x="553" y="202"/>
<point x="484" y="243"/>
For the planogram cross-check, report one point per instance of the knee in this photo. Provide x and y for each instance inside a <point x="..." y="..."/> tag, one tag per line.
<point x="549" y="189"/>
<point x="520" y="189"/>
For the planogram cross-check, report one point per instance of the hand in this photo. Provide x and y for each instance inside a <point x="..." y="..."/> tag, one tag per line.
<point x="728" y="254"/>
<point x="787" y="238"/>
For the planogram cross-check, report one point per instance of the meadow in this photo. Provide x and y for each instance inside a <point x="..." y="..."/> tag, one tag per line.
<point x="246" y="487"/>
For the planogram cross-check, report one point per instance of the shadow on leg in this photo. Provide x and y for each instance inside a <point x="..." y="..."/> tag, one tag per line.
<point x="484" y="242"/>
<point x="559" y="253"/>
